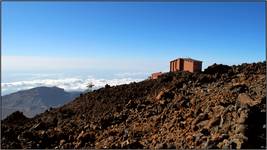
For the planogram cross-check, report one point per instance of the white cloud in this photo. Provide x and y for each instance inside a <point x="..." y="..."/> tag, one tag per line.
<point x="74" y="73"/>
<point x="69" y="84"/>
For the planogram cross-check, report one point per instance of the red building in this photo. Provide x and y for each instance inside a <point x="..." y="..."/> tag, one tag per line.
<point x="185" y="64"/>
<point x="155" y="75"/>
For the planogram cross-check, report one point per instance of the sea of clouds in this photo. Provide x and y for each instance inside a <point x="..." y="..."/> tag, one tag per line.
<point x="68" y="84"/>
<point x="73" y="74"/>
<point x="71" y="83"/>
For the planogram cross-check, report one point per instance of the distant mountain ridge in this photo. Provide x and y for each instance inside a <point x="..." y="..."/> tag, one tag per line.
<point x="35" y="100"/>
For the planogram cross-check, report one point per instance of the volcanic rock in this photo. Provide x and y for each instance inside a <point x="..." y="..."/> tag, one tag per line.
<point x="222" y="107"/>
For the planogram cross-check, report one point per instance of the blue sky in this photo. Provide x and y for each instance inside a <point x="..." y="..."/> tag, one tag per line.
<point x="108" y="37"/>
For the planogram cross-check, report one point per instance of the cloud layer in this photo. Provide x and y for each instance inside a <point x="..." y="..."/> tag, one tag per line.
<point x="69" y="84"/>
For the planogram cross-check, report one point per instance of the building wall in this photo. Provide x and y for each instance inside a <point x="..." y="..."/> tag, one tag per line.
<point x="178" y="65"/>
<point x="156" y="75"/>
<point x="181" y="64"/>
<point x="175" y="65"/>
<point x="188" y="66"/>
<point x="172" y="64"/>
<point x="197" y="66"/>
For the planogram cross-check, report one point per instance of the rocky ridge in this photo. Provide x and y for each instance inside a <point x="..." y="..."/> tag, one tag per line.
<point x="222" y="107"/>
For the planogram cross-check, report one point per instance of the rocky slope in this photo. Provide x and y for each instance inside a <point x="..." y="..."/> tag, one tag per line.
<point x="222" y="107"/>
<point x="36" y="100"/>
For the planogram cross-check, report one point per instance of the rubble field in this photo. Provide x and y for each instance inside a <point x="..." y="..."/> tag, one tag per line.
<point x="221" y="107"/>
